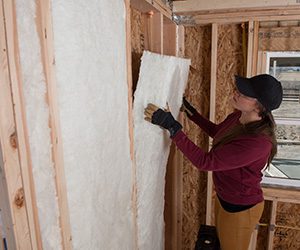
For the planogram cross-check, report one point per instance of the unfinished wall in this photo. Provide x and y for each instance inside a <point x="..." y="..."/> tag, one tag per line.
<point x="197" y="47"/>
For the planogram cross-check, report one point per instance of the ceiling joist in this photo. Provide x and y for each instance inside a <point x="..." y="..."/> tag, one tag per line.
<point x="192" y="6"/>
<point x="240" y="15"/>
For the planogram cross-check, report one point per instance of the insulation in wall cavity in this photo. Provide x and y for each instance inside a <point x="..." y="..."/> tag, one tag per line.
<point x="90" y="53"/>
<point x="37" y="112"/>
<point x="162" y="80"/>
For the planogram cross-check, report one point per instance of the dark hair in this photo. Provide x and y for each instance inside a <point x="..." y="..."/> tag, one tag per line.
<point x="264" y="126"/>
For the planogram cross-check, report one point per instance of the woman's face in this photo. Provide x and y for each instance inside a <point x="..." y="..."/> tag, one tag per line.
<point x="244" y="103"/>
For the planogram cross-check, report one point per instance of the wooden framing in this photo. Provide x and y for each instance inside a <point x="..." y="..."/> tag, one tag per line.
<point x="212" y="115"/>
<point x="23" y="228"/>
<point x="217" y="5"/>
<point x="152" y="6"/>
<point x="1" y="240"/>
<point x="20" y="217"/>
<point x="156" y="32"/>
<point x="238" y="16"/>
<point x="130" y="121"/>
<point x="44" y="25"/>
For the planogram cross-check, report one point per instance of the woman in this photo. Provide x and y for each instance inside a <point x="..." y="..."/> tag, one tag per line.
<point x="243" y="145"/>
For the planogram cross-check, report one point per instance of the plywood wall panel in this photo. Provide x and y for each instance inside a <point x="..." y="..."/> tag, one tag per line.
<point x="230" y="63"/>
<point x="137" y="43"/>
<point x="288" y="214"/>
<point x="197" y="47"/>
<point x="279" y="38"/>
<point x="286" y="239"/>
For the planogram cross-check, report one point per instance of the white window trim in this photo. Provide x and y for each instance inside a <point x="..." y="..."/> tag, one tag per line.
<point x="277" y="181"/>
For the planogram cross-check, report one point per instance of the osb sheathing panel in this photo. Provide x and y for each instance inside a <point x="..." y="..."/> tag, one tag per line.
<point x="197" y="47"/>
<point x="229" y="63"/>
<point x="287" y="232"/>
<point x="286" y="239"/>
<point x="279" y="38"/>
<point x="137" y="43"/>
<point x="288" y="214"/>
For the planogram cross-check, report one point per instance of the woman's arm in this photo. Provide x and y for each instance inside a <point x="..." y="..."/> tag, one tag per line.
<point x="238" y="153"/>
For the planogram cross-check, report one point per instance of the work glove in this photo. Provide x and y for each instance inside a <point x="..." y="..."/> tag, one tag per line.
<point x="187" y="108"/>
<point x="163" y="118"/>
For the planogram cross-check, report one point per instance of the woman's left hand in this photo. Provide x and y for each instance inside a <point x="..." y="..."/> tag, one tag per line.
<point x="162" y="118"/>
<point x="149" y="110"/>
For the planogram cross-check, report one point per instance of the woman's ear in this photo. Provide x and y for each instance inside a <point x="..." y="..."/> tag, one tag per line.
<point x="258" y="108"/>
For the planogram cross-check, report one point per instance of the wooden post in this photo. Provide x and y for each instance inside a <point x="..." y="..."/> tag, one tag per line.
<point x="173" y="45"/>
<point x="14" y="139"/>
<point x="255" y="48"/>
<point x="272" y="225"/>
<point x="156" y="32"/>
<point x="250" y="48"/>
<point x="213" y="85"/>
<point x="180" y="52"/>
<point x="5" y="214"/>
<point x="169" y="37"/>
<point x="130" y="123"/>
<point x="45" y="31"/>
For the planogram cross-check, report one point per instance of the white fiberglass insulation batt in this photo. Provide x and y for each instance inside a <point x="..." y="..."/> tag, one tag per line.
<point x="90" y="55"/>
<point x="162" y="80"/>
<point x="37" y="113"/>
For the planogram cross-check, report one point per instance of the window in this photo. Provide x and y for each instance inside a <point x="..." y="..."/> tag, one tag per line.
<point x="285" y="168"/>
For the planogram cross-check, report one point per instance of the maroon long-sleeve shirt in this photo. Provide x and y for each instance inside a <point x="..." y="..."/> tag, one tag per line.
<point x="237" y="166"/>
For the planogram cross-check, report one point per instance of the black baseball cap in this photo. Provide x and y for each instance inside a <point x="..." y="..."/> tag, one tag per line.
<point x="265" y="88"/>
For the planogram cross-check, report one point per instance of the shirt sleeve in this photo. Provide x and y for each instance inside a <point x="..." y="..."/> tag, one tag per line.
<point x="238" y="153"/>
<point x="206" y="125"/>
<point x="209" y="127"/>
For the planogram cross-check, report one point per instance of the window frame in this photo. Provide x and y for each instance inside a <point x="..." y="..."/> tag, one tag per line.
<point x="279" y="181"/>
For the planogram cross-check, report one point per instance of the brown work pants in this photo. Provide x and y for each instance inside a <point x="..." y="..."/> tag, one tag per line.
<point x="235" y="229"/>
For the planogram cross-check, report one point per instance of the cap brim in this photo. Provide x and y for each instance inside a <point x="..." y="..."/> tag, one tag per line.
<point x="244" y="86"/>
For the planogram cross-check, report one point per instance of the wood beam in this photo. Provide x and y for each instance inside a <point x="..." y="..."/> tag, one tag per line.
<point x="24" y="232"/>
<point x="147" y="6"/>
<point x="236" y="16"/>
<point x="130" y="123"/>
<point x="252" y="55"/>
<point x="214" y="5"/>
<point x="255" y="48"/>
<point x="5" y="208"/>
<point x="282" y="195"/>
<point x="174" y="45"/>
<point x="169" y="37"/>
<point x="212" y="111"/>
<point x="156" y="32"/>
<point x="272" y="225"/>
<point x="250" y="48"/>
<point x="45" y="32"/>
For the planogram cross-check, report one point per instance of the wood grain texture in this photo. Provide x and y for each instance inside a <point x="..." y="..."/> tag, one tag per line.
<point x="197" y="47"/>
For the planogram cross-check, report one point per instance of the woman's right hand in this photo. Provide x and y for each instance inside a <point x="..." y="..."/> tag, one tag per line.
<point x="187" y="108"/>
